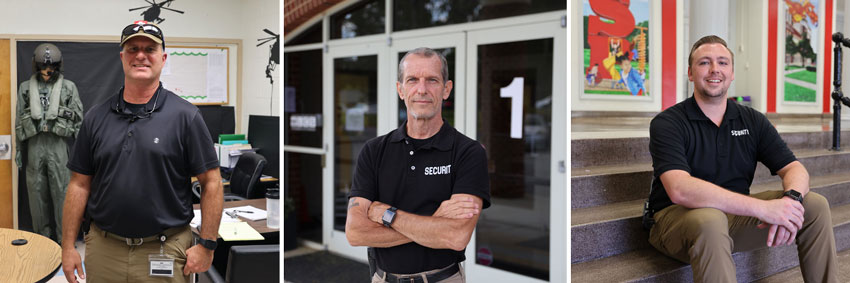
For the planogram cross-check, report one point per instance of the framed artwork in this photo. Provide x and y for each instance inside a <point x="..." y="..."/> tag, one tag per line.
<point x="616" y="48"/>
<point x="801" y="50"/>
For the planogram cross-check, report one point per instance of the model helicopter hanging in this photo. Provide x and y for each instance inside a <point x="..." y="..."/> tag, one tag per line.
<point x="153" y="11"/>
<point x="274" y="52"/>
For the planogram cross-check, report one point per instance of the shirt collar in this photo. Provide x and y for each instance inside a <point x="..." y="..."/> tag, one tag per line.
<point x="443" y="139"/>
<point x="154" y="104"/>
<point x="695" y="113"/>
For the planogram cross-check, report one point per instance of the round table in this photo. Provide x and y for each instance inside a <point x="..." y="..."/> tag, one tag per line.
<point x="36" y="261"/>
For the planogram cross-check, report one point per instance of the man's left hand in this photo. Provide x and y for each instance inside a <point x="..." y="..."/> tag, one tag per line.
<point x="198" y="259"/>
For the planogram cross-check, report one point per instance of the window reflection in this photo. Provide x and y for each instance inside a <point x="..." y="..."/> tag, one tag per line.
<point x="303" y="182"/>
<point x="513" y="234"/>
<point x="360" y="19"/>
<point x="415" y="14"/>
<point x="302" y="80"/>
<point x="313" y="34"/>
<point x="448" y="104"/>
<point x="355" y="122"/>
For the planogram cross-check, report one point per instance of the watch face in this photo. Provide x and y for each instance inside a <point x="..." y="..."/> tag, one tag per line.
<point x="388" y="216"/>
<point x="794" y="194"/>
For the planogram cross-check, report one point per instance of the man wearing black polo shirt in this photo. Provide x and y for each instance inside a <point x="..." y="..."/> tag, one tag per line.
<point x="704" y="153"/>
<point x="132" y="164"/>
<point x="417" y="191"/>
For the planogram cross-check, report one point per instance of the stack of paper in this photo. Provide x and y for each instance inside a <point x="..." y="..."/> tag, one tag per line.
<point x="196" y="221"/>
<point x="238" y="231"/>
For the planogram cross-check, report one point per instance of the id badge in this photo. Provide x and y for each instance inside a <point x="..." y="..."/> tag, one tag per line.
<point x="161" y="265"/>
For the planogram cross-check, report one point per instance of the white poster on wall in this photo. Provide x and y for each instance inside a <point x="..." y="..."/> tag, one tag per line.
<point x="197" y="74"/>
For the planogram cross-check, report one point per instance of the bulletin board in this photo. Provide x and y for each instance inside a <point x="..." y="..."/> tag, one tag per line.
<point x="198" y="74"/>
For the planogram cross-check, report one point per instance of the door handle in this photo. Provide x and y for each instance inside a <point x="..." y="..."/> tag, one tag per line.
<point x="5" y="147"/>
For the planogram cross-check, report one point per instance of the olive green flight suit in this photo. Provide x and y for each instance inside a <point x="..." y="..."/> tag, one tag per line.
<point x="46" y="119"/>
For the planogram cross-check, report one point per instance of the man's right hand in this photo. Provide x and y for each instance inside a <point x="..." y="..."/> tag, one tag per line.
<point x="71" y="261"/>
<point x="457" y="207"/>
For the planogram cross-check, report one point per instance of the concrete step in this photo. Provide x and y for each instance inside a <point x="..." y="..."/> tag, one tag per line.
<point x="607" y="230"/>
<point x="601" y="185"/>
<point x="794" y="275"/>
<point x="616" y="151"/>
<point x="649" y="265"/>
<point x="625" y="151"/>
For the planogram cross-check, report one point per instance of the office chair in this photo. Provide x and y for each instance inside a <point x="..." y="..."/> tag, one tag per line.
<point x="246" y="174"/>
<point x="249" y="263"/>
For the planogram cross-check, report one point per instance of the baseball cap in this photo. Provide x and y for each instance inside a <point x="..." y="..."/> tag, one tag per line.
<point x="142" y="28"/>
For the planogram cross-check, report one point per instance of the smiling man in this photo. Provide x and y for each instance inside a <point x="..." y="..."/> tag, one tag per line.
<point x="418" y="190"/>
<point x="132" y="164"/>
<point x="704" y="154"/>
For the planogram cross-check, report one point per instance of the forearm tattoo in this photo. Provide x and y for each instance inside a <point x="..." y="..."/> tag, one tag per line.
<point x="352" y="203"/>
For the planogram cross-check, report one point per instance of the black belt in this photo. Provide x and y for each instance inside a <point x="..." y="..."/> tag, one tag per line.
<point x="434" y="277"/>
<point x="139" y="241"/>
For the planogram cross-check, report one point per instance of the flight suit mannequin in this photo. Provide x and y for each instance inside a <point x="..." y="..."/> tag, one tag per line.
<point x="49" y="111"/>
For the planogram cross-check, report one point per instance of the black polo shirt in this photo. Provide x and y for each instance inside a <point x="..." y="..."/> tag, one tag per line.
<point x="141" y="163"/>
<point x="390" y="170"/>
<point x="683" y="138"/>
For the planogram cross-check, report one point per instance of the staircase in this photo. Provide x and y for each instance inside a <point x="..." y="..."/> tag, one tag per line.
<point x="611" y="180"/>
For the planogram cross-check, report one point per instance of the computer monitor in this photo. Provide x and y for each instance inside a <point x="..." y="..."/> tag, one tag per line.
<point x="219" y="120"/>
<point x="264" y="134"/>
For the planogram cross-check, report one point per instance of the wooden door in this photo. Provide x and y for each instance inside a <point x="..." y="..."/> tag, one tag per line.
<point x="5" y="129"/>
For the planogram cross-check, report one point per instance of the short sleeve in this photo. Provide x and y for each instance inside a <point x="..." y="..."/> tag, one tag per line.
<point x="772" y="150"/>
<point x="80" y="160"/>
<point x="471" y="173"/>
<point x="200" y="153"/>
<point x="365" y="181"/>
<point x="667" y="145"/>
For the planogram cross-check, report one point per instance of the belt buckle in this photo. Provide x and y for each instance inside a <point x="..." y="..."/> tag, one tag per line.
<point x="406" y="280"/>
<point x="132" y="241"/>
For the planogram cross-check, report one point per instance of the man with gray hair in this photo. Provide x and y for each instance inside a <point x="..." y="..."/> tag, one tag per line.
<point x="417" y="191"/>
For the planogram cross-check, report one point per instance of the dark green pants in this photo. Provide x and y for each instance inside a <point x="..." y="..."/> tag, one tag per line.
<point x="47" y="180"/>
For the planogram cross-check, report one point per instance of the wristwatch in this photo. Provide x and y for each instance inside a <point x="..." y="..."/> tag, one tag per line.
<point x="389" y="216"/>
<point x="795" y="195"/>
<point x="208" y="244"/>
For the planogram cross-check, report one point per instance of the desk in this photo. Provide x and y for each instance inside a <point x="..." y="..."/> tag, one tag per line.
<point x="224" y="182"/>
<point x="37" y="261"/>
<point x="259" y="225"/>
<point x="223" y="250"/>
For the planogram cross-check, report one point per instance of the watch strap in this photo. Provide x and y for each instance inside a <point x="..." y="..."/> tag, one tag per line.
<point x="208" y="244"/>
<point x="793" y="194"/>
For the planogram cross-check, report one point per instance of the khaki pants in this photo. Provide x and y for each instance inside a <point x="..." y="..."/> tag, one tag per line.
<point x="459" y="277"/>
<point x="707" y="237"/>
<point x="111" y="260"/>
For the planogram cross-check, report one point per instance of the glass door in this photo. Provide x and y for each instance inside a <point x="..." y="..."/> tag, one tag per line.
<point x="303" y="144"/>
<point x="514" y="99"/>
<point x="354" y="87"/>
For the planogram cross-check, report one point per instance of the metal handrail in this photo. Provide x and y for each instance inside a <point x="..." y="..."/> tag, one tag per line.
<point x="837" y="95"/>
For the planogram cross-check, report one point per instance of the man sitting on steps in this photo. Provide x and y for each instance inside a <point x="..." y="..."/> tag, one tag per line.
<point x="704" y="153"/>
